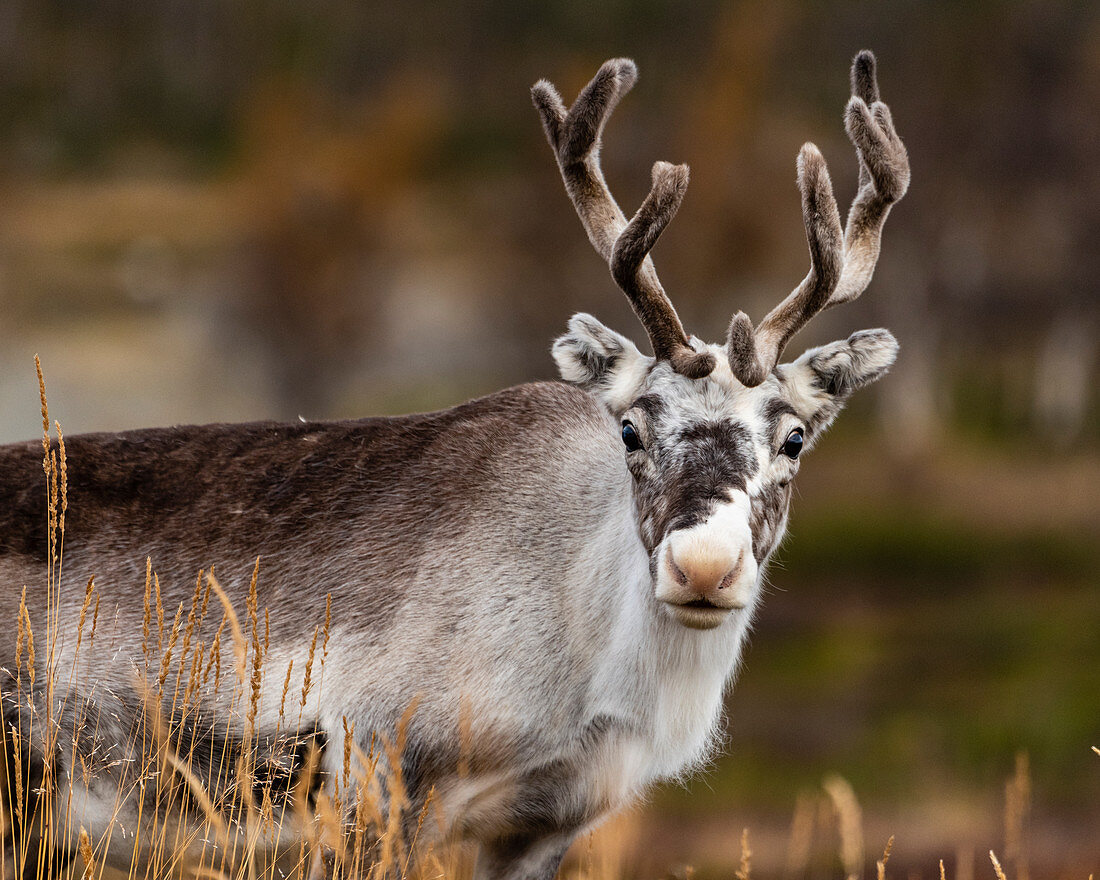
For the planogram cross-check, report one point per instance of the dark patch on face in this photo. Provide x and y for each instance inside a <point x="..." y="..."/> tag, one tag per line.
<point x="651" y="405"/>
<point x="768" y="512"/>
<point x="716" y="457"/>
<point x="774" y="411"/>
<point x="700" y="466"/>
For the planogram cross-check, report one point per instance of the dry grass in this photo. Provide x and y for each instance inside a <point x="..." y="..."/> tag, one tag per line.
<point x="176" y="816"/>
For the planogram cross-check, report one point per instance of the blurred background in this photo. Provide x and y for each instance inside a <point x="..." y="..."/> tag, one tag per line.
<point x="221" y="211"/>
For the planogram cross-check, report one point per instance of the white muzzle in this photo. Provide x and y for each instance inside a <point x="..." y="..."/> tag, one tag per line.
<point x="707" y="571"/>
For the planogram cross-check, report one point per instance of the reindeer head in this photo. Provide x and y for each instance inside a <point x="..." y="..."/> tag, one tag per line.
<point x="712" y="434"/>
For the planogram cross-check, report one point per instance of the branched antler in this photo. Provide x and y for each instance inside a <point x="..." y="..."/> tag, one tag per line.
<point x="754" y="353"/>
<point x="883" y="178"/>
<point x="574" y="136"/>
<point x="840" y="266"/>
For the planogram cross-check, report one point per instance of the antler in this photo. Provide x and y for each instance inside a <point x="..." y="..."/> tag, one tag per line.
<point x="575" y="138"/>
<point x="838" y="272"/>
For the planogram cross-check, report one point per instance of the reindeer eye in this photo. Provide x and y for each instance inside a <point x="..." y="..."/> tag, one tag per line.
<point x="793" y="444"/>
<point x="630" y="437"/>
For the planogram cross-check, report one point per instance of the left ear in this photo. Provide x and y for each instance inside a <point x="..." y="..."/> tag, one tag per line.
<point x="820" y="382"/>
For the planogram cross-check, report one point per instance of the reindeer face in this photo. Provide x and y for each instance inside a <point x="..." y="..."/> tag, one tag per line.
<point x="712" y="434"/>
<point x="712" y="460"/>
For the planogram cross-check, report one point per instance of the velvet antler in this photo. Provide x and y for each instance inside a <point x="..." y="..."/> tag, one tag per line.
<point x="575" y="136"/>
<point x="840" y="265"/>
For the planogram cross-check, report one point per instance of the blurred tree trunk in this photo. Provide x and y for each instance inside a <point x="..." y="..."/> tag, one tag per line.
<point x="1063" y="377"/>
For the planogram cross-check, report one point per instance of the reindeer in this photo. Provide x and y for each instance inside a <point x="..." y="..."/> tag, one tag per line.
<point x="559" y="576"/>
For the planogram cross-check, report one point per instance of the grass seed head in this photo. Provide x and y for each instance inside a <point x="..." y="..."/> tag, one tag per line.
<point x="745" y="868"/>
<point x="30" y="641"/>
<point x="306" y="681"/>
<point x="166" y="657"/>
<point x="21" y="634"/>
<point x="84" y="611"/>
<point x="64" y="467"/>
<point x="95" y="618"/>
<point x="45" y="415"/>
<point x="880" y="865"/>
<point x="328" y="622"/>
<point x="997" y="866"/>
<point x="849" y="821"/>
<point x="86" y="854"/>
<point x="147" y="618"/>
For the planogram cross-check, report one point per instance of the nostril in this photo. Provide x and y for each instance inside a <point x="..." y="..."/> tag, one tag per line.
<point x="705" y="569"/>
<point x="734" y="573"/>
<point x="678" y="573"/>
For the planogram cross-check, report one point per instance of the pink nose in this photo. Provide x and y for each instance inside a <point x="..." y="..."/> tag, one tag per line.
<point x="706" y="571"/>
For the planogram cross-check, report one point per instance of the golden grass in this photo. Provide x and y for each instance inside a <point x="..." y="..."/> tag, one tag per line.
<point x="880" y="865"/>
<point x="174" y="816"/>
<point x="744" y="869"/>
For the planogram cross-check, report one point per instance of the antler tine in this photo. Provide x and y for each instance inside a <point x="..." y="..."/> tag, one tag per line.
<point x="753" y="354"/>
<point x="634" y="272"/>
<point x="575" y="136"/>
<point x="841" y="265"/>
<point x="883" y="178"/>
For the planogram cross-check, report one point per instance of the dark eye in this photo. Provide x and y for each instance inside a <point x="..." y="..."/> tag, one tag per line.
<point x="793" y="444"/>
<point x="630" y="437"/>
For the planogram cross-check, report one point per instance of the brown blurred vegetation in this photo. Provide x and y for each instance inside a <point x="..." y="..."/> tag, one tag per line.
<point x="260" y="208"/>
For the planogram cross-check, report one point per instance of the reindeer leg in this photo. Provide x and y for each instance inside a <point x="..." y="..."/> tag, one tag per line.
<point x="522" y="857"/>
<point x="323" y="864"/>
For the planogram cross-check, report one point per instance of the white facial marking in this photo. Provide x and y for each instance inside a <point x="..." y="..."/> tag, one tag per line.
<point x="708" y="570"/>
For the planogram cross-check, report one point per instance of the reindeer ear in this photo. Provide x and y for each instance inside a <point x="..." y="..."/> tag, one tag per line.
<point x="598" y="359"/>
<point x="820" y="382"/>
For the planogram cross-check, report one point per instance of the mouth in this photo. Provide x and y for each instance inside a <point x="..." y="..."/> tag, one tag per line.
<point x="698" y="614"/>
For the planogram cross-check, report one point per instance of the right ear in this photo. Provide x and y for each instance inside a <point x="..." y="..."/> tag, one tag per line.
<point x="597" y="359"/>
